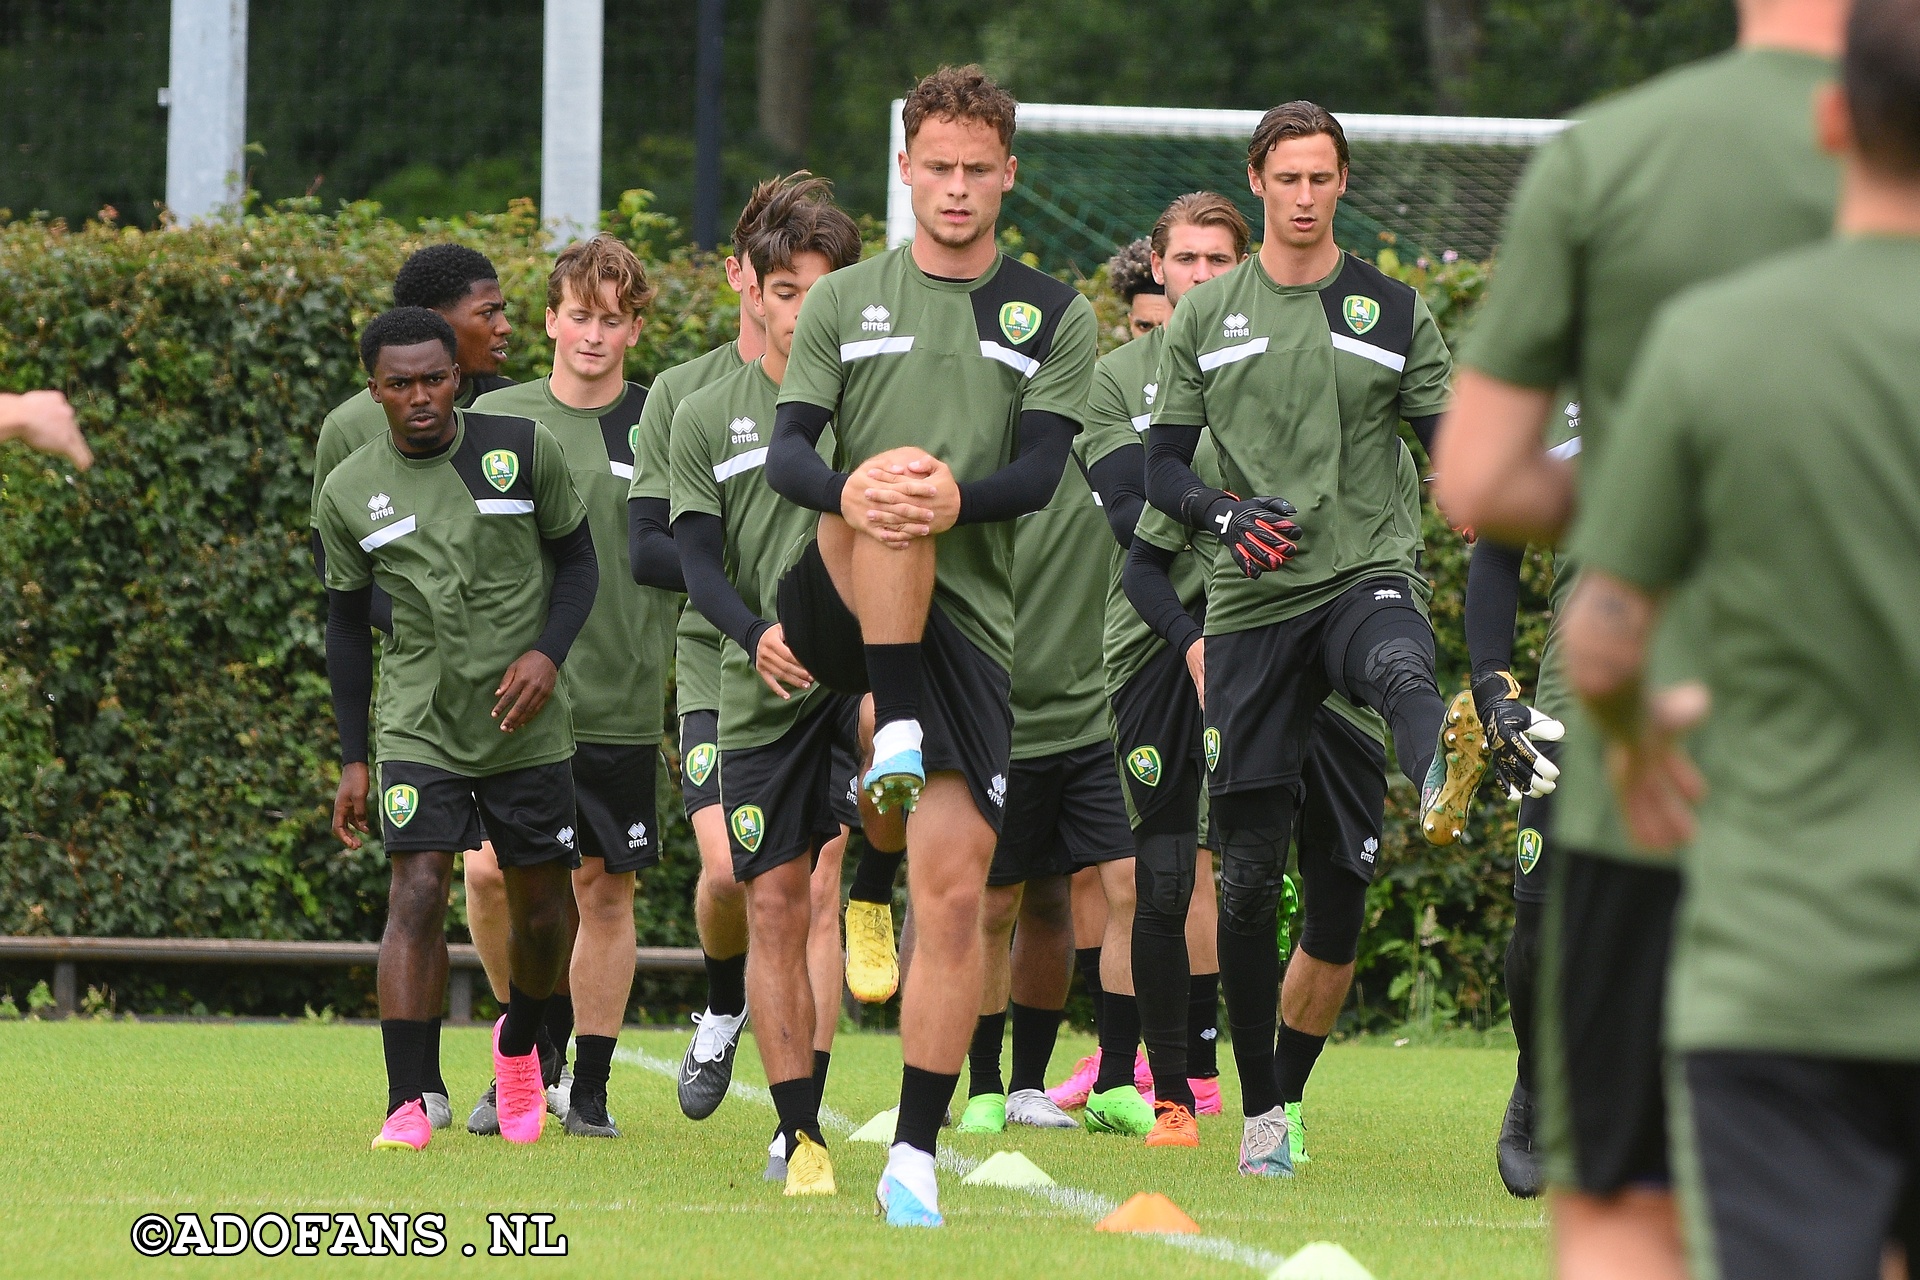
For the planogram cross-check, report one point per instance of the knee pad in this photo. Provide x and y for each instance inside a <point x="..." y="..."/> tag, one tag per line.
<point x="1400" y="666"/>
<point x="1163" y="869"/>
<point x="1253" y="864"/>
<point x="1334" y="906"/>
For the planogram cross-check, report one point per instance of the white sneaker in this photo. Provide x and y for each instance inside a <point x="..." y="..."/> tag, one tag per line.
<point x="1264" y="1149"/>
<point x="1035" y="1108"/>
<point x="909" y="1194"/>
<point x="560" y="1094"/>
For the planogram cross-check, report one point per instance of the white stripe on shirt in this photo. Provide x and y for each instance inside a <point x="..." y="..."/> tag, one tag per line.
<point x="1232" y="355"/>
<point x="504" y="506"/>
<point x="381" y="537"/>
<point x="1009" y="357"/>
<point x="739" y="464"/>
<point x="850" y="351"/>
<point x="1367" y="351"/>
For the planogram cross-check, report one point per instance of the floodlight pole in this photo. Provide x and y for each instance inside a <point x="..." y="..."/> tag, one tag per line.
<point x="206" y="101"/>
<point x="572" y="70"/>
<point x="709" y="48"/>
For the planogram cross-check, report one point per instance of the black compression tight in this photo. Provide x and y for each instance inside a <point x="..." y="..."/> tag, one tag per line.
<point x="1389" y="665"/>
<point x="1255" y="830"/>
<point x="1523" y="970"/>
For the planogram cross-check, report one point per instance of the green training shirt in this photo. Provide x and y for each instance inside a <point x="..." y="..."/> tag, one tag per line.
<point x="455" y="540"/>
<point x="359" y="418"/>
<point x="1060" y="596"/>
<point x="720" y="436"/>
<point x="1800" y="929"/>
<point x="1303" y="388"/>
<point x="696" y="669"/>
<point x="902" y="358"/>
<point x="616" y="673"/>
<point x="1614" y="217"/>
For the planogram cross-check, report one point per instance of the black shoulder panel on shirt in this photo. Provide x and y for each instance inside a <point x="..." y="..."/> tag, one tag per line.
<point x="475" y="385"/>
<point x="1020" y="308"/>
<point x="476" y="463"/>
<point x="1381" y="311"/>
<point x="617" y="424"/>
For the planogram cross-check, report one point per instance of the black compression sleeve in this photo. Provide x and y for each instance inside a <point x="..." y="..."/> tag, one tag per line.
<point x="350" y="669"/>
<point x="1148" y="582"/>
<point x="651" y="556"/>
<point x="1120" y="480"/>
<point x="1172" y="485"/>
<point x="1027" y="483"/>
<point x="702" y="539"/>
<point x="576" y="581"/>
<point x="795" y="468"/>
<point x="379" y="612"/>
<point x="1424" y="429"/>
<point x="1493" y="602"/>
<point x="319" y="548"/>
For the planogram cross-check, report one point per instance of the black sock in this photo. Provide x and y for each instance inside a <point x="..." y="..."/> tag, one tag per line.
<point x="822" y="1059"/>
<point x="1087" y="961"/>
<point x="1293" y="1061"/>
<point x="1119" y="1040"/>
<point x="1034" y="1031"/>
<point x="874" y="875"/>
<point x="1523" y="969"/>
<point x="592" y="1061"/>
<point x="1203" y="1025"/>
<point x="924" y="1096"/>
<point x="1250" y="980"/>
<point x="559" y="1023"/>
<point x="983" y="1055"/>
<point x="405" y="1042"/>
<point x="431" y="1081"/>
<point x="727" y="985"/>
<point x="1160" y="983"/>
<point x="898" y="674"/>
<point x="799" y="1108"/>
<point x="525" y="1015"/>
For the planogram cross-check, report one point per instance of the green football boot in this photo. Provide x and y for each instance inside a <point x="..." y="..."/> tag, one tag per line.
<point x="1297" y="1135"/>
<point x="1120" y="1110"/>
<point x="985" y="1113"/>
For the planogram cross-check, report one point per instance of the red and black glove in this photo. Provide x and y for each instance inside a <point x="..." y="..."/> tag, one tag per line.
<point x="1256" y="531"/>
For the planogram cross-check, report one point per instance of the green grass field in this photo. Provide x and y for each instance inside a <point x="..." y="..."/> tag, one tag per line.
<point x="110" y="1121"/>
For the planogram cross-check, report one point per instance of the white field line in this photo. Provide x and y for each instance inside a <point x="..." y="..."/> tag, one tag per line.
<point x="1086" y="1204"/>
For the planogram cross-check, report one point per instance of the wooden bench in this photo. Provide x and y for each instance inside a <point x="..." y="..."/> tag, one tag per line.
<point x="463" y="958"/>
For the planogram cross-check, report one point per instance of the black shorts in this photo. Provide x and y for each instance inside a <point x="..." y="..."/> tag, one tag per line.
<point x="1156" y="734"/>
<point x="1604" y="974"/>
<point x="1798" y="1167"/>
<point x="1265" y="685"/>
<point x="1064" y="812"/>
<point x="786" y="799"/>
<point x="528" y="813"/>
<point x="966" y="717"/>
<point x="699" y="760"/>
<point x="1530" y="861"/>
<point x="614" y="791"/>
<point x="1338" y="834"/>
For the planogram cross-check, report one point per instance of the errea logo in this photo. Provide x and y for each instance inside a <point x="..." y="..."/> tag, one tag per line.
<point x="1234" y="326"/>
<point x="379" y="506"/>
<point x="997" y="791"/>
<point x="1387" y="593"/>
<point x="565" y="836"/>
<point x="876" y="319"/>
<point x="1368" y="849"/>
<point x="744" y="431"/>
<point x="637" y="836"/>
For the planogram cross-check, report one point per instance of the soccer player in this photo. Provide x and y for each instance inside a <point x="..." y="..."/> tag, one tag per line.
<point x="44" y="420"/>
<point x="789" y="748"/>
<point x="1149" y="304"/>
<point x="1064" y="810"/>
<point x="616" y="675"/>
<point x="1155" y="711"/>
<point x="955" y="378"/>
<point x="1795" y="1000"/>
<point x="1300" y="364"/>
<point x="1707" y="169"/>
<point x="471" y="525"/>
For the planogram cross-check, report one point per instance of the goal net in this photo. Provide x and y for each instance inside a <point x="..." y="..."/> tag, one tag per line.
<point x="1093" y="178"/>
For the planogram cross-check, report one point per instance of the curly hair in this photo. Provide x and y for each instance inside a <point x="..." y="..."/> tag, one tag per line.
<point x="405" y="327"/>
<point x="755" y="208"/>
<point x="1296" y="119"/>
<point x="1130" y="271"/>
<point x="440" y="275"/>
<point x="960" y="93"/>
<point x="802" y="218"/>
<point x="586" y="264"/>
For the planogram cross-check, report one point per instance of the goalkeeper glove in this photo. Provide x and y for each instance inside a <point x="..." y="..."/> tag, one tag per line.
<point x="1512" y="728"/>
<point x="1255" y="531"/>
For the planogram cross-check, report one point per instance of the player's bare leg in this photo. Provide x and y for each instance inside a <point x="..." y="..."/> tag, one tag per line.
<point x="1634" y="1233"/>
<point x="720" y="917"/>
<point x="1042" y="970"/>
<point x="487" y="915"/>
<point x="825" y="967"/>
<point x="600" y="978"/>
<point x="1114" y="1104"/>
<point x="780" y="993"/>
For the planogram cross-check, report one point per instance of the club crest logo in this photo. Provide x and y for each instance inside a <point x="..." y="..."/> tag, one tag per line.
<point x="633" y="439"/>
<point x="501" y="467"/>
<point x="1019" y="321"/>
<point x="1361" y="312"/>
<point x="700" y="762"/>
<point x="1149" y="391"/>
<point x="1212" y="741"/>
<point x="1144" y="764"/>
<point x="749" y="826"/>
<point x="401" y="803"/>
<point x="1530" y="846"/>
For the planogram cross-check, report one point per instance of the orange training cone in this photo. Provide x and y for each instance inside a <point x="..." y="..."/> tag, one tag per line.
<point x="1149" y="1212"/>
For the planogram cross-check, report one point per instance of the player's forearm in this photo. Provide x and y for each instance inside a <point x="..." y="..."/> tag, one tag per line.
<point x="1172" y="484"/>
<point x="1147" y="579"/>
<point x="1120" y="480"/>
<point x="576" y="581"/>
<point x="701" y="537"/>
<point x="1492" y="604"/>
<point x="1027" y="483"/>
<point x="1606" y="631"/>
<point x="350" y="669"/>
<point x="1492" y="471"/>
<point x="652" y="557"/>
<point x="795" y="469"/>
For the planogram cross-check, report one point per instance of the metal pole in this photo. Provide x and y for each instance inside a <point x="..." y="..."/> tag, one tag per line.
<point x="206" y="106"/>
<point x="710" y="45"/>
<point x="570" y="118"/>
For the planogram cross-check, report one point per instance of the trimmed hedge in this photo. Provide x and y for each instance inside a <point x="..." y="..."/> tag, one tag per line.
<point x="167" y="758"/>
